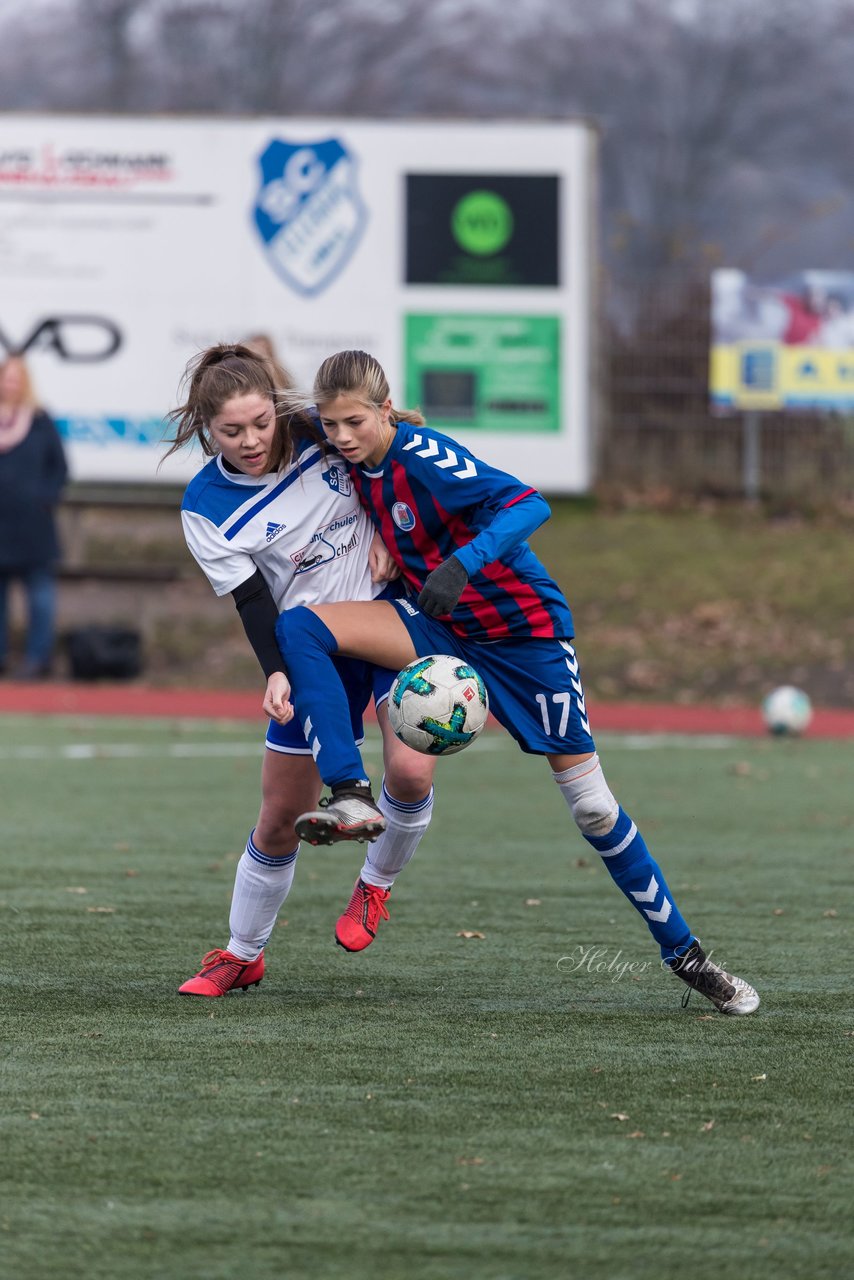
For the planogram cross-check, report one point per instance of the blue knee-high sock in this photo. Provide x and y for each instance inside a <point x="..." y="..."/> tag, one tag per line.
<point x="318" y="695"/>
<point x="636" y="872"/>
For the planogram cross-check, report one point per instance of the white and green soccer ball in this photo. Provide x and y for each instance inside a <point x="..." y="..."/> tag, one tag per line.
<point x="786" y="710"/>
<point x="438" y="705"/>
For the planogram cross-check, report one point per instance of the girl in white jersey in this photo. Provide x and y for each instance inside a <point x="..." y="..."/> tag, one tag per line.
<point x="273" y="519"/>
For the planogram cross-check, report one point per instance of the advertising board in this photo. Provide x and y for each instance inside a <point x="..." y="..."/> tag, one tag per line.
<point x="459" y="254"/>
<point x="783" y="345"/>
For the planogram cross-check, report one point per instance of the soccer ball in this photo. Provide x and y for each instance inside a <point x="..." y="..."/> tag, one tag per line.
<point x="787" y="710"/>
<point x="438" y="705"/>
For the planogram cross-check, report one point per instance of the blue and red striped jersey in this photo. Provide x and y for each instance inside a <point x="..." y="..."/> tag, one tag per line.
<point x="431" y="498"/>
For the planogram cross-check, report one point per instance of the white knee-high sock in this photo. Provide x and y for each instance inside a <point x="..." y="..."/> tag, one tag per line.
<point x="261" y="885"/>
<point x="406" y="824"/>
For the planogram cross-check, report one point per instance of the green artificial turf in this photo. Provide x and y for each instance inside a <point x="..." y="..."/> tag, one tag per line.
<point x="517" y="1105"/>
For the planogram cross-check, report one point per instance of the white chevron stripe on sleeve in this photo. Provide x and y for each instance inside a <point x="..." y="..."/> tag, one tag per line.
<point x="468" y="470"/>
<point x="432" y="450"/>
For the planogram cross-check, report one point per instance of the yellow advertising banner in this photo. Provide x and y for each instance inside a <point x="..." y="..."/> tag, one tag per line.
<point x="786" y="346"/>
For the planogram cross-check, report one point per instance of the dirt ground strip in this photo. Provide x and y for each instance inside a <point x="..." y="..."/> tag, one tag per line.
<point x="68" y="699"/>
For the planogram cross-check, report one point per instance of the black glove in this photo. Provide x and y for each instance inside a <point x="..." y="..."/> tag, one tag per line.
<point x="443" y="588"/>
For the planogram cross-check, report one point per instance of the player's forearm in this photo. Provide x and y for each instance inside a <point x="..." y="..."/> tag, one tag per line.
<point x="258" y="613"/>
<point x="510" y="526"/>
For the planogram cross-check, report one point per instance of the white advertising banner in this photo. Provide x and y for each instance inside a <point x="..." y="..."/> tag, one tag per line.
<point x="459" y="254"/>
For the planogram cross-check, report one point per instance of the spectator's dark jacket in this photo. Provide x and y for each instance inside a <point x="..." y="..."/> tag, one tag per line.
<point x="31" y="478"/>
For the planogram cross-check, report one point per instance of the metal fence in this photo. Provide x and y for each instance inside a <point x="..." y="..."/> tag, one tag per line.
<point x="658" y="435"/>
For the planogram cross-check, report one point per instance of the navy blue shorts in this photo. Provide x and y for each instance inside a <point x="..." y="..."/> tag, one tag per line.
<point x="362" y="681"/>
<point x="534" y="685"/>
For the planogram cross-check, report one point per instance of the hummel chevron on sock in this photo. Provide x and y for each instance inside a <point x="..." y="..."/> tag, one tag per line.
<point x="638" y="875"/>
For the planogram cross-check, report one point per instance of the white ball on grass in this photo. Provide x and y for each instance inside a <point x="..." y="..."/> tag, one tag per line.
<point x="787" y="710"/>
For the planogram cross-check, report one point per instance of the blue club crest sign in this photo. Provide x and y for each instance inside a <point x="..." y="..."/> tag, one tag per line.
<point x="309" y="212"/>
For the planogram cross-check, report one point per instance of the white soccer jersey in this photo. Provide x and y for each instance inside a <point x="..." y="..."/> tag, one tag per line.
<point x="303" y="527"/>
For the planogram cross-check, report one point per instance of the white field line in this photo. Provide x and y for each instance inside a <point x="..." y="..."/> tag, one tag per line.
<point x="235" y="750"/>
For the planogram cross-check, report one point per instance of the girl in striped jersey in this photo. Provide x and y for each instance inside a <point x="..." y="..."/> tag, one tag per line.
<point x="457" y="528"/>
<point x="273" y="519"/>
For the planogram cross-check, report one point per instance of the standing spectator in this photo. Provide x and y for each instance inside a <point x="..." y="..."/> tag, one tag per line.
<point x="33" y="471"/>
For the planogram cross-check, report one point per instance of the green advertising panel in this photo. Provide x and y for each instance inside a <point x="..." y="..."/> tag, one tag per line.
<point x="488" y="372"/>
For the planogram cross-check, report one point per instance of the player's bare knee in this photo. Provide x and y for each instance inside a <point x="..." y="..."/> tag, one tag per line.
<point x="589" y="797"/>
<point x="275" y="833"/>
<point x="409" y="780"/>
<point x="276" y="842"/>
<point x="408" y="773"/>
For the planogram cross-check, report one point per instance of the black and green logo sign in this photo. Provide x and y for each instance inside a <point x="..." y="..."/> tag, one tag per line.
<point x="482" y="223"/>
<point x="482" y="229"/>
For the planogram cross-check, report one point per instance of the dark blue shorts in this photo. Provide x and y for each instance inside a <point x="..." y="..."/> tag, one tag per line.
<point x="534" y="685"/>
<point x="362" y="681"/>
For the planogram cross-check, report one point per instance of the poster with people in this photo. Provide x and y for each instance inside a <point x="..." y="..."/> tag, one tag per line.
<point x="783" y="345"/>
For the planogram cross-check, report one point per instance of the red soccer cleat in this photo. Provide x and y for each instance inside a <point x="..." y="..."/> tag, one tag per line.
<point x="222" y="972"/>
<point x="357" y="927"/>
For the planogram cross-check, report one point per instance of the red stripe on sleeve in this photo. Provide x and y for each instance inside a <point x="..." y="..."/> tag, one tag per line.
<point x="518" y="498"/>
